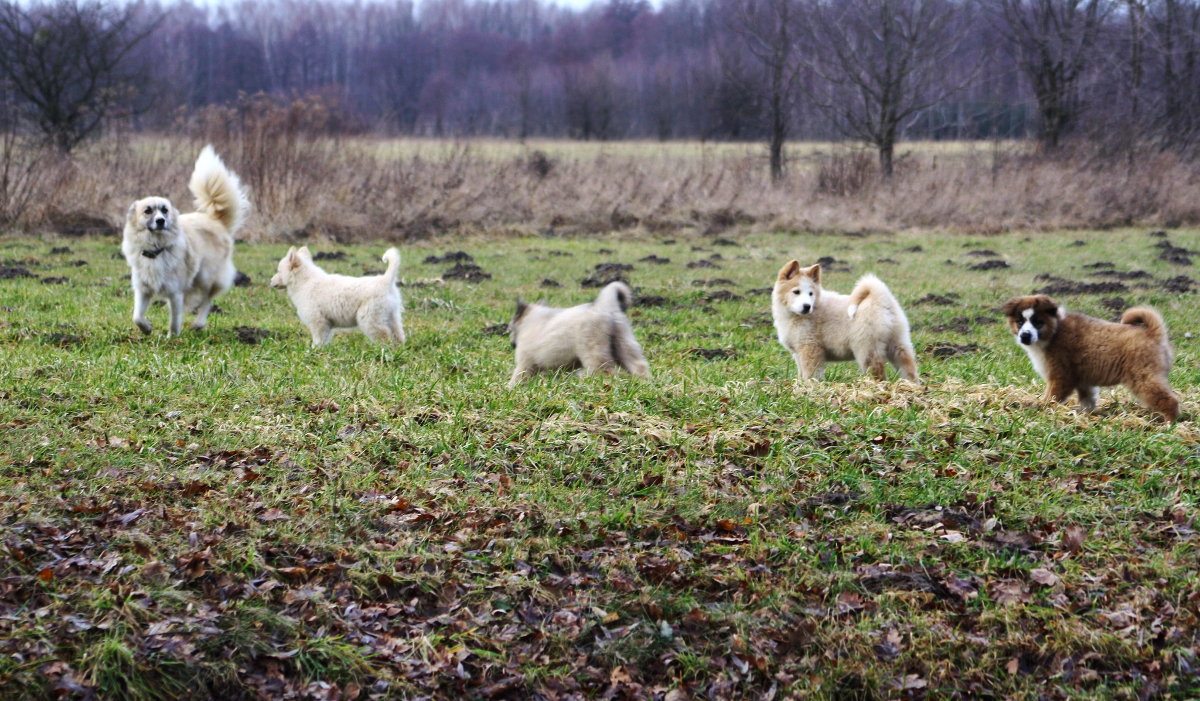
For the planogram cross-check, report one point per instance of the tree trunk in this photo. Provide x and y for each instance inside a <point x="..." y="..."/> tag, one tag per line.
<point x="887" y="150"/>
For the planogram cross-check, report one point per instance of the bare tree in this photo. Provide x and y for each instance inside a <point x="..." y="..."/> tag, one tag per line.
<point x="769" y="29"/>
<point x="883" y="62"/>
<point x="65" y="60"/>
<point x="1176" y="33"/>
<point x="1054" y="41"/>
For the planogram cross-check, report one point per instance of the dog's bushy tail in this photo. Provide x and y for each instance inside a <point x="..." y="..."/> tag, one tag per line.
<point x="218" y="191"/>
<point x="392" y="257"/>
<point x="1151" y="319"/>
<point x="616" y="296"/>
<point x="866" y="286"/>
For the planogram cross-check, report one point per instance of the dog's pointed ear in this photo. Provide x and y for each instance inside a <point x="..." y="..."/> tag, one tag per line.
<point x="790" y="271"/>
<point x="131" y="213"/>
<point x="814" y="272"/>
<point x="522" y="307"/>
<point x="304" y="254"/>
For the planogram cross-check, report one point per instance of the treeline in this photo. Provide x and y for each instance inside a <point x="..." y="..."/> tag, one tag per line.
<point x="1123" y="71"/>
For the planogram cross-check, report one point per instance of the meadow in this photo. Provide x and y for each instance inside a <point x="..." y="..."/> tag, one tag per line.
<point x="230" y="514"/>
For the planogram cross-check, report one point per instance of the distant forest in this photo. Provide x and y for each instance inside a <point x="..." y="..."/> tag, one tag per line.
<point x="689" y="69"/>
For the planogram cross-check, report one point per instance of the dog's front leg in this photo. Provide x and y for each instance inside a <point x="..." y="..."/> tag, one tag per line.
<point x="322" y="332"/>
<point x="811" y="363"/>
<point x="141" y="302"/>
<point x="175" y="302"/>
<point x="202" y="313"/>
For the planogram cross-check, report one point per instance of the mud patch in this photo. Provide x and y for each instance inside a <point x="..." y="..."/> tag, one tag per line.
<point x="959" y="324"/>
<point x="242" y="280"/>
<point x="253" y="336"/>
<point x="725" y="242"/>
<point x="887" y="261"/>
<point x="943" y="350"/>
<point x="605" y="273"/>
<point x="54" y="281"/>
<point x="330" y="255"/>
<point x="654" y="259"/>
<point x="650" y="301"/>
<point x="78" y="263"/>
<point x="983" y="253"/>
<point x="60" y="250"/>
<point x="947" y="300"/>
<point x="995" y="264"/>
<point x="62" y="340"/>
<point x="467" y="272"/>
<point x="549" y="282"/>
<point x="1173" y="254"/>
<point x="1121" y="275"/>
<point x="1101" y="265"/>
<point x="1114" y="304"/>
<point x="701" y="264"/>
<point x="914" y="249"/>
<point x="720" y="296"/>
<point x="714" y="282"/>
<point x="713" y="353"/>
<point x="453" y="257"/>
<point x="1179" y="284"/>
<point x="1060" y="286"/>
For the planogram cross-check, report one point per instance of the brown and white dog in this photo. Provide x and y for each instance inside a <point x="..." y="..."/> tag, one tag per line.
<point x="1078" y="353"/>
<point x="817" y="325"/>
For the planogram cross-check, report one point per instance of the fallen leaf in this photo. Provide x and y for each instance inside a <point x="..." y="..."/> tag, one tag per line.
<point x="46" y="574"/>
<point x="272" y="514"/>
<point x="1073" y="537"/>
<point x="1044" y="577"/>
<point x="1013" y="666"/>
<point x="1010" y="592"/>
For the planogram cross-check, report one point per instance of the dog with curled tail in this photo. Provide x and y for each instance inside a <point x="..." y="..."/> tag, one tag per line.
<point x="594" y="337"/>
<point x="186" y="259"/>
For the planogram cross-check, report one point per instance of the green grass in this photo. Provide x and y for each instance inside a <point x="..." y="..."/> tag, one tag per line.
<point x="212" y="517"/>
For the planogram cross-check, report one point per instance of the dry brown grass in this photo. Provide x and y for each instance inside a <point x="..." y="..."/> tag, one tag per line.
<point x="307" y="182"/>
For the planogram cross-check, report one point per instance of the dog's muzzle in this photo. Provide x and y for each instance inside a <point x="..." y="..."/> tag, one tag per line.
<point x="805" y="308"/>
<point x="1026" y="338"/>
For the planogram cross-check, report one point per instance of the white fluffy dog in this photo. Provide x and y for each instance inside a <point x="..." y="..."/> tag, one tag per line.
<point x="595" y="336"/>
<point x="327" y="302"/>
<point x="186" y="259"/>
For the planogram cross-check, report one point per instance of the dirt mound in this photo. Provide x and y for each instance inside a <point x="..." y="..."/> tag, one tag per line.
<point x="253" y="336"/>
<point x="995" y="264"/>
<point x="983" y="253"/>
<point x="330" y="255"/>
<point x="720" y="296"/>
<point x="943" y="350"/>
<point x="712" y="353"/>
<point x="947" y="300"/>
<point x="605" y="273"/>
<point x="650" y="301"/>
<point x="702" y="264"/>
<point x="467" y="272"/>
<point x="462" y="257"/>
<point x="81" y="224"/>
<point x="714" y="282"/>
<point x="13" y="272"/>
<point x="1061" y="286"/>
<point x="1120" y="275"/>
<point x="654" y="259"/>
<point x="548" y="282"/>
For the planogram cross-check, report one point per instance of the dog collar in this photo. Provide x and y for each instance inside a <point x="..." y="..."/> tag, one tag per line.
<point x="154" y="253"/>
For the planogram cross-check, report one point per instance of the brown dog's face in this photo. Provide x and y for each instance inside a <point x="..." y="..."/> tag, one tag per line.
<point x="799" y="288"/>
<point x="1033" y="320"/>
<point x="154" y="214"/>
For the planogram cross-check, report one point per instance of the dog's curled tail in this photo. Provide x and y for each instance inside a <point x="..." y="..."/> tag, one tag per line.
<point x="1151" y="319"/>
<point x="615" y="296"/>
<point x="392" y="257"/>
<point x="218" y="191"/>
<point x="866" y="286"/>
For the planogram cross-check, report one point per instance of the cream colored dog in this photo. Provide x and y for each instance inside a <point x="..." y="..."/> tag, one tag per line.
<point x="186" y="259"/>
<point x="326" y="302"/>
<point x="595" y="336"/>
<point x="818" y="325"/>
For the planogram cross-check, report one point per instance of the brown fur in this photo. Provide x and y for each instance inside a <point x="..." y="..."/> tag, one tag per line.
<point x="1078" y="354"/>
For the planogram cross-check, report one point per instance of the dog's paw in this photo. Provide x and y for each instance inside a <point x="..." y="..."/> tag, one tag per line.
<point x="851" y="310"/>
<point x="144" y="326"/>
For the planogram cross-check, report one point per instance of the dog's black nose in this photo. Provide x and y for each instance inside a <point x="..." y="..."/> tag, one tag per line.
<point x="1026" y="338"/>
<point x="804" y="309"/>
<point x="160" y="222"/>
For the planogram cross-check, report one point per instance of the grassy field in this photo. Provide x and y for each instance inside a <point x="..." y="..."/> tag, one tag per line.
<point x="230" y="514"/>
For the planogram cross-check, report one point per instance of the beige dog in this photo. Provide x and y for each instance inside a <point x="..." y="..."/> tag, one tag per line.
<point x="327" y="302"/>
<point x="595" y="336"/>
<point x="1076" y="353"/>
<point x="817" y="325"/>
<point x="186" y="259"/>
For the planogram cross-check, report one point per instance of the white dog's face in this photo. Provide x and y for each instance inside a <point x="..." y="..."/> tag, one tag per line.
<point x="799" y="288"/>
<point x="155" y="214"/>
<point x="288" y="265"/>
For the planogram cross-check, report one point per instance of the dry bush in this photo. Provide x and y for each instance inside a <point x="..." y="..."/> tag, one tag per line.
<point x="306" y="181"/>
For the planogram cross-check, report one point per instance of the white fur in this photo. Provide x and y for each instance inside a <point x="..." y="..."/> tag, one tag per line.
<point x="188" y="259"/>
<point x="832" y="329"/>
<point x="326" y="302"/>
<point x="596" y="336"/>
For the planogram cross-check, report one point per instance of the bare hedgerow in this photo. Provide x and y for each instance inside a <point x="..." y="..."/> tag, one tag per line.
<point x="846" y="175"/>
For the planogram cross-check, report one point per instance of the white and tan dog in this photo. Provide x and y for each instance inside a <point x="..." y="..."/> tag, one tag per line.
<point x="326" y="302"/>
<point x="186" y="259"/>
<point x="817" y="325"/>
<point x="595" y="336"/>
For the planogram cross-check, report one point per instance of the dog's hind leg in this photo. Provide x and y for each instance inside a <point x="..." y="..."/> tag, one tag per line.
<point x="1088" y="396"/>
<point x="627" y="352"/>
<point x="202" y="313"/>
<point x="141" y="302"/>
<point x="1157" y="395"/>
<point x="322" y="332"/>
<point x="175" y="302"/>
<point x="905" y="361"/>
